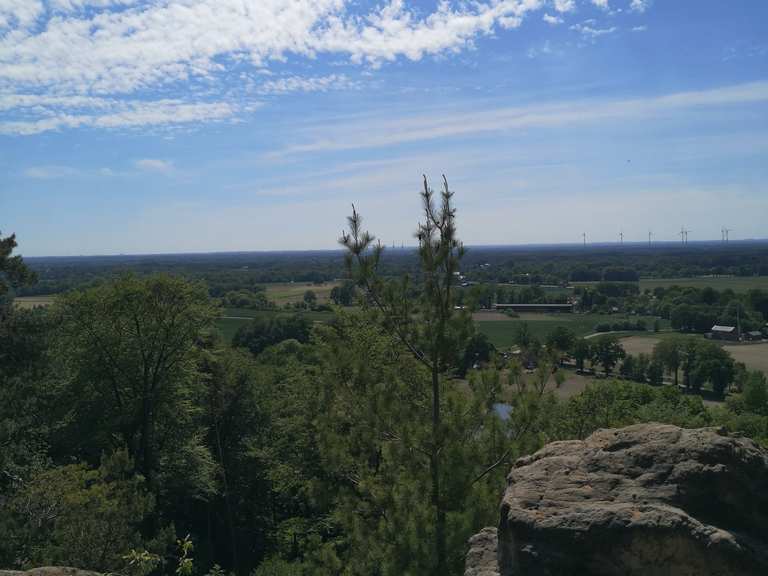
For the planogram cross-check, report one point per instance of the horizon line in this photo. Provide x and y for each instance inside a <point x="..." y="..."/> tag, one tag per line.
<point x="553" y="245"/>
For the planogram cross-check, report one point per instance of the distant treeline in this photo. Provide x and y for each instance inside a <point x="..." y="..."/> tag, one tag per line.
<point x="227" y="272"/>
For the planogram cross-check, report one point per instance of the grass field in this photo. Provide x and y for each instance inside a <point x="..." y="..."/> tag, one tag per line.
<point x="33" y="301"/>
<point x="502" y="332"/>
<point x="754" y="356"/>
<point x="290" y="292"/>
<point x="234" y="318"/>
<point x="735" y="283"/>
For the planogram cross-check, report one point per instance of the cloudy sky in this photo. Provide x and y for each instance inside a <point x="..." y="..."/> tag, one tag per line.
<point x="138" y="126"/>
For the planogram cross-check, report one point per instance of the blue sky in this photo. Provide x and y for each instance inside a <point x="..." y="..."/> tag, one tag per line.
<point x="140" y="126"/>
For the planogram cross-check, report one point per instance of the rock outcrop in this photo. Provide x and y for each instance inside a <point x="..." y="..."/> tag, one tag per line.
<point x="649" y="499"/>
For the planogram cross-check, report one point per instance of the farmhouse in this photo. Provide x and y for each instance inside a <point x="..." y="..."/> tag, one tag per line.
<point x="725" y="332"/>
<point x="535" y="307"/>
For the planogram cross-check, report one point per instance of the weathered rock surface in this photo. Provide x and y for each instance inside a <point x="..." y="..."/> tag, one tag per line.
<point x="649" y="500"/>
<point x="482" y="557"/>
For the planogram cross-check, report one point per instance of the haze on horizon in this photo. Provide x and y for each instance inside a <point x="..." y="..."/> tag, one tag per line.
<point x="163" y="126"/>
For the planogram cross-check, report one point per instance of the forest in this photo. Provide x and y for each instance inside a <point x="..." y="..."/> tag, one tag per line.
<point x="134" y="440"/>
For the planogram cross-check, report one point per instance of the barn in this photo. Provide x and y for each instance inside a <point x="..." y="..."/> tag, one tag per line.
<point x="725" y="332"/>
<point x="535" y="307"/>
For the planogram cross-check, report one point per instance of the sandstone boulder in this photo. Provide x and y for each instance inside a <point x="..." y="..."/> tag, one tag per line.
<point x="647" y="500"/>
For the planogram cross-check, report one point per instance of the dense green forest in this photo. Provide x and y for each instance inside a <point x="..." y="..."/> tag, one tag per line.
<point x="134" y="441"/>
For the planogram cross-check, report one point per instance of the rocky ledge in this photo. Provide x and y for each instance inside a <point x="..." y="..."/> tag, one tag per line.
<point x="649" y="499"/>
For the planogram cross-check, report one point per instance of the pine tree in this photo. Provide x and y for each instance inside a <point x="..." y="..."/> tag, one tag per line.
<point x="423" y="319"/>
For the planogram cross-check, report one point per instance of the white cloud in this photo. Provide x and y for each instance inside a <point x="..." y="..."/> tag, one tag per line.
<point x="83" y="63"/>
<point x="590" y="32"/>
<point x="545" y="49"/>
<point x="639" y="28"/>
<point x="116" y="114"/>
<point x="565" y="5"/>
<point x="19" y="13"/>
<point x="50" y="172"/>
<point x="312" y="84"/>
<point x="639" y="5"/>
<point x="153" y="165"/>
<point x="75" y="5"/>
<point x="153" y="44"/>
<point x="603" y="4"/>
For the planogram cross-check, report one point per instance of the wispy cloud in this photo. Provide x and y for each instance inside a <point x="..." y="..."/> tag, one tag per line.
<point x="552" y="20"/>
<point x="422" y="127"/>
<point x="565" y="5"/>
<point x="153" y="165"/>
<point x="55" y="113"/>
<point x="50" y="172"/>
<point x="589" y="32"/>
<point x="310" y="84"/>
<point x="639" y="5"/>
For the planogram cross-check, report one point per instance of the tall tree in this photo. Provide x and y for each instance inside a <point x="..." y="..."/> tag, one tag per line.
<point x="429" y="327"/>
<point x="129" y="349"/>
<point x="669" y="354"/>
<point x="13" y="272"/>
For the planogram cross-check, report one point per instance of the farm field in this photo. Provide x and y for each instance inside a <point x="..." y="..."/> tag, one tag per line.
<point x="234" y="318"/>
<point x="291" y="292"/>
<point x="735" y="283"/>
<point x="501" y="332"/>
<point x="33" y="301"/>
<point x="754" y="356"/>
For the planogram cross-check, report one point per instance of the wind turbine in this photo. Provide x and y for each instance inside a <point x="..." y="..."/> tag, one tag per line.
<point x="584" y="237"/>
<point x="682" y="234"/>
<point x="727" y="231"/>
<point x="686" y="235"/>
<point x="649" y="238"/>
<point x="621" y="237"/>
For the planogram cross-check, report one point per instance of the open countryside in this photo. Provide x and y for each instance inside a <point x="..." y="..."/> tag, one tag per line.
<point x="383" y="288"/>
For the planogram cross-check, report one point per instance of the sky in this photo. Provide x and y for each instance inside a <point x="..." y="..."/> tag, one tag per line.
<point x="157" y="126"/>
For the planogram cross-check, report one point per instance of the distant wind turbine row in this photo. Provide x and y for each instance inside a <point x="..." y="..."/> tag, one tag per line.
<point x="724" y="233"/>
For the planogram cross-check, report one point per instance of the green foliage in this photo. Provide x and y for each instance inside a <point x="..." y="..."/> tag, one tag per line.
<point x="252" y="299"/>
<point x="406" y="532"/>
<point x="128" y="352"/>
<point x="185" y="561"/>
<point x="13" y="272"/>
<point x="75" y="516"/>
<point x="375" y="440"/>
<point x="610" y="404"/>
<point x="264" y="332"/>
<point x="343" y="295"/>
<point x="607" y="351"/>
